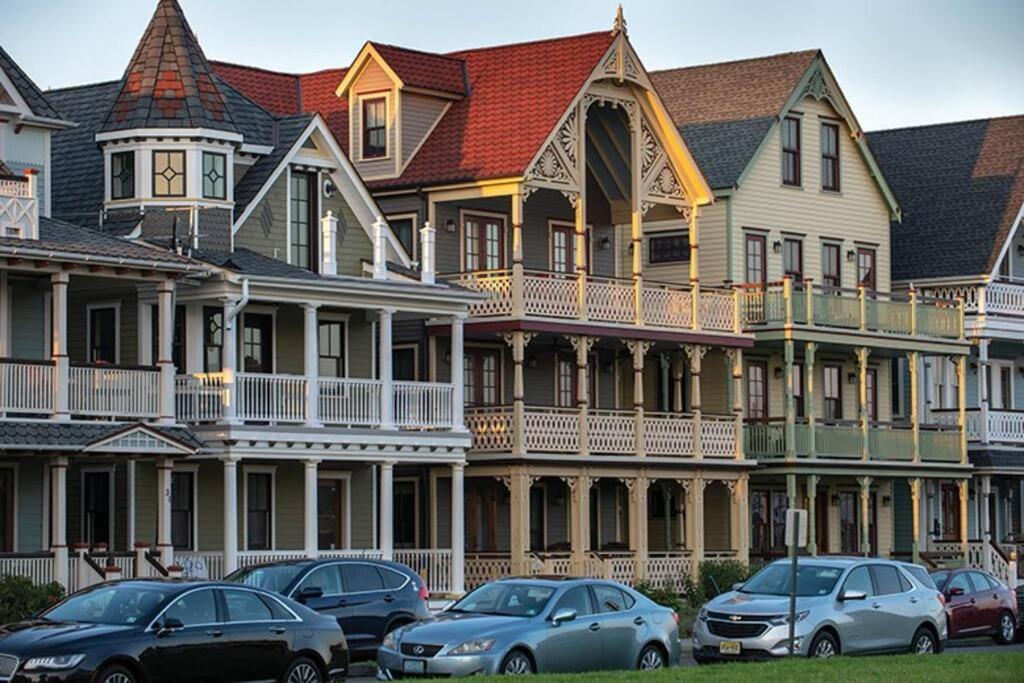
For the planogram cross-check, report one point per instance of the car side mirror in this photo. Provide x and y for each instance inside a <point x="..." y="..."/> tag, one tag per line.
<point x="738" y="585"/>
<point x="169" y="626"/>
<point x="955" y="591"/>
<point x="563" y="615"/>
<point x="853" y="595"/>
<point x="310" y="593"/>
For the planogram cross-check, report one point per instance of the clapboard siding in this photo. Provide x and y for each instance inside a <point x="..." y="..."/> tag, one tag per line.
<point x="374" y="80"/>
<point x="28" y="302"/>
<point x="419" y="114"/>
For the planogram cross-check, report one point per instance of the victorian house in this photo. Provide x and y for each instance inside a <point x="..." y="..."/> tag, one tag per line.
<point x="198" y="364"/>
<point x="961" y="186"/>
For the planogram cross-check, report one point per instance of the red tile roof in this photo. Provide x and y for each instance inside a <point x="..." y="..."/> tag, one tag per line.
<point x="517" y="93"/>
<point x="424" y="69"/>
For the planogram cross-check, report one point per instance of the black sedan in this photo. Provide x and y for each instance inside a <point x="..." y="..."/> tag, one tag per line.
<point x="161" y="630"/>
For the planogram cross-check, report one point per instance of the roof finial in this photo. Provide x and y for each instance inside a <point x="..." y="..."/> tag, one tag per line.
<point x="620" y="22"/>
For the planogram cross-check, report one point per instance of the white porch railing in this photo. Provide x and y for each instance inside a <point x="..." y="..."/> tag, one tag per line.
<point x="433" y="565"/>
<point x="26" y="387"/>
<point x="994" y="298"/>
<point x="110" y="391"/>
<point x="200" y="397"/>
<point x="247" y="558"/>
<point x="423" y="405"/>
<point x="36" y="568"/>
<point x="349" y="401"/>
<point x="271" y="398"/>
<point x="1003" y="426"/>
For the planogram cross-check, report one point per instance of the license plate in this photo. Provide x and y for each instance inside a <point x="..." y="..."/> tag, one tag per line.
<point x="729" y="647"/>
<point x="414" y="666"/>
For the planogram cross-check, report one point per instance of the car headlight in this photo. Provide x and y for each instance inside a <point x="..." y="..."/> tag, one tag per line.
<point x="54" y="662"/>
<point x="473" y="647"/>
<point x="703" y="614"/>
<point x="390" y="640"/>
<point x="783" y="619"/>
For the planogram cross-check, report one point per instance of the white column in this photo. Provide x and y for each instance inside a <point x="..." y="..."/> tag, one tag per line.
<point x="427" y="267"/>
<point x="59" y="518"/>
<point x="309" y="535"/>
<point x="984" y="400"/>
<point x="163" y="511"/>
<point x="986" y="519"/>
<point x="387" y="509"/>
<point x="59" y="344"/>
<point x="5" y="317"/>
<point x="387" y="419"/>
<point x="165" y="341"/>
<point x="228" y="361"/>
<point x="457" y="378"/>
<point x="310" y="357"/>
<point x="458" y="529"/>
<point x="380" y="249"/>
<point x="230" y="515"/>
<point x="329" y="244"/>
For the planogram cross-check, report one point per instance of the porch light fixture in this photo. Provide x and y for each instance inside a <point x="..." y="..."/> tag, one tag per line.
<point x="778" y="372"/>
<point x="606" y="243"/>
<point x="777" y="246"/>
<point x="531" y="361"/>
<point x="329" y="188"/>
<point x="1020" y="250"/>
<point x="886" y="501"/>
<point x="851" y="378"/>
<point x="1020" y="369"/>
<point x="835" y="500"/>
<point x="447" y="357"/>
<point x="851" y="255"/>
<point x="449" y="225"/>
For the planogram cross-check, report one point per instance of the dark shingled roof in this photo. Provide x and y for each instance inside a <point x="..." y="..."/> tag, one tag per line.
<point x="168" y="82"/>
<point x="28" y="90"/>
<point x="995" y="457"/>
<point x="961" y="185"/>
<point x="724" y="110"/>
<point x="248" y="262"/>
<point x="77" y="435"/>
<point x="286" y="132"/>
<point x="4" y="170"/>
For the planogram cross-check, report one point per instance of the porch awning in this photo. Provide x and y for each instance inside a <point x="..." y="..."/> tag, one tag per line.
<point x="98" y="438"/>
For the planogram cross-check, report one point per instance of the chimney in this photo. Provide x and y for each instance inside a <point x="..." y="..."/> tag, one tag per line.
<point x="329" y="244"/>
<point x="380" y="250"/>
<point x="427" y="267"/>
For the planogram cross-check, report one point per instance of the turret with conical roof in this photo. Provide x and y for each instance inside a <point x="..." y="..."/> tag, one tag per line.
<point x="168" y="82"/>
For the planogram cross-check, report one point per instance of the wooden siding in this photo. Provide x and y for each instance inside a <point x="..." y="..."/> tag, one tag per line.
<point x="374" y="80"/>
<point x="266" y="229"/>
<point x="28" y="317"/>
<point x="83" y="291"/>
<point x="419" y="114"/>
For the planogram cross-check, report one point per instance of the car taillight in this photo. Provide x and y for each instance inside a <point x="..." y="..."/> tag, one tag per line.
<point x="675" y="617"/>
<point x="424" y="593"/>
<point x="942" y="598"/>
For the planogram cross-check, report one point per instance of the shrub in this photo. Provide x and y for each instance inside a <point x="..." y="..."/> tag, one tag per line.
<point x="718" y="576"/>
<point x="19" y="598"/>
<point x="666" y="597"/>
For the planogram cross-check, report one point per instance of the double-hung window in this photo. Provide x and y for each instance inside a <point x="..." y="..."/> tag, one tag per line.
<point x="793" y="258"/>
<point x="375" y="128"/>
<point x="756" y="260"/>
<point x="484" y="245"/>
<point x="830" y="157"/>
<point x="831" y="265"/>
<point x="482" y="376"/>
<point x="791" y="151"/>
<point x="866" y="270"/>
<point x="331" y="345"/>
<point x="833" y="393"/>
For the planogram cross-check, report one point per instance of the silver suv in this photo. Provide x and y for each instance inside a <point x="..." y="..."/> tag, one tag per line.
<point x="844" y="605"/>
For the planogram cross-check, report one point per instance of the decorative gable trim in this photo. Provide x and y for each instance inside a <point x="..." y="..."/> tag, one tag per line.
<point x="369" y="52"/>
<point x="139" y="439"/>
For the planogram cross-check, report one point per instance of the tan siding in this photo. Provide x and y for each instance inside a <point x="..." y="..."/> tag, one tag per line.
<point x="269" y="238"/>
<point x="419" y="115"/>
<point x="374" y="80"/>
<point x="362" y="507"/>
<point x="857" y="214"/>
<point x="711" y="229"/>
<point x="717" y="509"/>
<point x="210" y="507"/>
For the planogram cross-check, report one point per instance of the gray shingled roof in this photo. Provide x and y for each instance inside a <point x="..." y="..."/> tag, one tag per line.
<point x="42" y="435"/>
<point x="995" y="457"/>
<point x="286" y="132"/>
<point x="248" y="262"/>
<point x="28" y="90"/>
<point x="961" y="186"/>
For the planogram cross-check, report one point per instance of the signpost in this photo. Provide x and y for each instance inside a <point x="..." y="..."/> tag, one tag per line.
<point x="796" y="536"/>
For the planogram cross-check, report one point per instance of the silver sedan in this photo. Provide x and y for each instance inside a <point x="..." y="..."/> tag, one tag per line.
<point x="532" y="625"/>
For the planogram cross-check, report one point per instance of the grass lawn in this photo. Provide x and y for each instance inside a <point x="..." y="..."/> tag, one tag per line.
<point x="901" y="668"/>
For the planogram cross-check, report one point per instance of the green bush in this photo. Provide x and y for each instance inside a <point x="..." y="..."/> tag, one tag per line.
<point x="718" y="576"/>
<point x="19" y="598"/>
<point x="666" y="597"/>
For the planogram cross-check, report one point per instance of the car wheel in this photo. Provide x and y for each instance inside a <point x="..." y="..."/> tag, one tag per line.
<point x="116" y="674"/>
<point x="516" y="663"/>
<point x="1006" y="630"/>
<point x="302" y="670"/>
<point x="651" y="658"/>
<point x="824" y="646"/>
<point x="923" y="642"/>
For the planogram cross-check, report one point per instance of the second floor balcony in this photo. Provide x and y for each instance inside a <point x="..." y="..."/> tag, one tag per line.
<point x="996" y="306"/>
<point x="988" y="426"/>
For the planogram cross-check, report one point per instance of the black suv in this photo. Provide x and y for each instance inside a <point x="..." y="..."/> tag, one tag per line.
<point x="369" y="598"/>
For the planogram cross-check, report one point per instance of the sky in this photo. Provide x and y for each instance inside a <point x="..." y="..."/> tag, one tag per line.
<point x="899" y="62"/>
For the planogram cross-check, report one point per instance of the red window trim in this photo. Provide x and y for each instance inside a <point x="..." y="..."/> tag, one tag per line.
<point x="794" y="152"/>
<point x="830" y="159"/>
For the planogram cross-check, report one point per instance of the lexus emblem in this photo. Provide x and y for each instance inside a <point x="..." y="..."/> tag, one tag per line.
<point x="735" y="617"/>
<point x="418" y="650"/>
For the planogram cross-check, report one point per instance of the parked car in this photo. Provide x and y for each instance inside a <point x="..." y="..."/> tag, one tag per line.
<point x="844" y="605"/>
<point x="369" y="598"/>
<point x="173" y="631"/>
<point x="977" y="604"/>
<point x="536" y="625"/>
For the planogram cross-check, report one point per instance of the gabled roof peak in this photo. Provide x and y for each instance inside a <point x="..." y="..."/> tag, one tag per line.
<point x="168" y="82"/>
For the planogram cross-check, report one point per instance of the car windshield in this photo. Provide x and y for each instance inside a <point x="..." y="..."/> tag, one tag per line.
<point x="506" y="599"/>
<point x="119" y="605"/>
<point x="921" y="574"/>
<point x="940" y="579"/>
<point x="811" y="579"/>
<point x="275" y="577"/>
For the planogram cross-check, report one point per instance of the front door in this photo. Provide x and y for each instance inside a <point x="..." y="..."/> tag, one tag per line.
<point x="405" y="500"/>
<point x="97" y="515"/>
<point x="950" y="502"/>
<point x="821" y="521"/>
<point x="6" y="510"/>
<point x="258" y="343"/>
<point x="330" y="501"/>
<point x="849" y="538"/>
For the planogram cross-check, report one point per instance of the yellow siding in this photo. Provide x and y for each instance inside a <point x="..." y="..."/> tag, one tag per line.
<point x="711" y="230"/>
<point x="374" y="79"/>
<point x="858" y="214"/>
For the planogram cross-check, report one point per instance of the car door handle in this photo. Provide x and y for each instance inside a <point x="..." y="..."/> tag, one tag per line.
<point x="639" y="621"/>
<point x="913" y="600"/>
<point x="876" y="605"/>
<point x="389" y="598"/>
<point x="342" y="603"/>
<point x="278" y="629"/>
<point x="973" y="601"/>
<point x="215" y="633"/>
<point x="595" y="627"/>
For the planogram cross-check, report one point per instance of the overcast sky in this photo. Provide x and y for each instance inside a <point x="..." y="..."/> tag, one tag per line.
<point x="900" y="62"/>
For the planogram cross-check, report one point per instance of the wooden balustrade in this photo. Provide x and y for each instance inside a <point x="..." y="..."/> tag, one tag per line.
<point x="349" y="401"/>
<point x="844" y="439"/>
<point x="423" y="405"/>
<point x="112" y="392"/>
<point x="26" y="387"/>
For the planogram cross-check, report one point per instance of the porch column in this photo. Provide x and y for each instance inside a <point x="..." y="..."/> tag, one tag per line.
<point x="790" y="391"/>
<point x="582" y="345"/>
<point x="519" y="520"/>
<point x="457" y="378"/>
<point x="962" y="485"/>
<point x="735" y="357"/>
<point x="638" y="349"/>
<point x="812" y="511"/>
<point x="743" y="509"/>
<point x="165" y="342"/>
<point x="458" y="586"/>
<point x="387" y="509"/>
<point x="865" y="525"/>
<point x="862" y="399"/>
<point x="230" y="514"/>
<point x="164" y="547"/>
<point x="310" y="541"/>
<point x="579" y="520"/>
<point x="580" y="247"/>
<point x="694" y="237"/>
<point x="59" y="518"/>
<point x="387" y="419"/>
<point x="915" y="518"/>
<point x="311" y="363"/>
<point x="637" y="487"/>
<point x="677" y="383"/>
<point x="983" y="397"/>
<point x="913" y="361"/>
<point x="637" y="220"/>
<point x="518" y="341"/>
<point x="696" y="354"/>
<point x="961" y="395"/>
<point x="518" y="304"/>
<point x="809" y="352"/>
<point x="59" y="345"/>
<point x="986" y="520"/>
<point x="737" y="489"/>
<point x="696" y="514"/>
<point x="229" y="362"/>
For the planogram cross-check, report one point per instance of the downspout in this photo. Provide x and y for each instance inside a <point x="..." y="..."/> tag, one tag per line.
<point x="238" y="305"/>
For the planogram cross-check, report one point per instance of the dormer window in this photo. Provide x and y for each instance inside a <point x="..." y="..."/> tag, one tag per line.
<point x="214" y="176"/>
<point x="375" y="128"/>
<point x="168" y="174"/>
<point x="122" y="175"/>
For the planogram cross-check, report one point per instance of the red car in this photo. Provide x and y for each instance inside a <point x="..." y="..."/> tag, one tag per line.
<point x="977" y="605"/>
